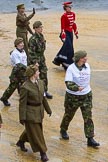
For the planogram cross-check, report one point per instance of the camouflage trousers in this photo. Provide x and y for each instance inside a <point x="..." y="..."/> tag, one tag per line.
<point x="72" y="103"/>
<point x="14" y="84"/>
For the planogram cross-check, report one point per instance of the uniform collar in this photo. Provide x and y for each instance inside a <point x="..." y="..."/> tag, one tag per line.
<point x="20" y="50"/>
<point x="81" y="67"/>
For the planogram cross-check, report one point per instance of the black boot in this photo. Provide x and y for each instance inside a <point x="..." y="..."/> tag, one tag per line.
<point x="64" y="134"/>
<point x="44" y="157"/>
<point x="48" y="95"/>
<point x="91" y="142"/>
<point x="5" y="102"/>
<point x="21" y="145"/>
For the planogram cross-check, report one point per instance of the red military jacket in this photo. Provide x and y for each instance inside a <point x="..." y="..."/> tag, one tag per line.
<point x="68" y="22"/>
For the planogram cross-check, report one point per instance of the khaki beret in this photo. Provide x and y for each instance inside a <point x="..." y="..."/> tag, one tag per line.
<point x="20" y="6"/>
<point x="37" y="24"/>
<point x="18" y="41"/>
<point x="79" y="54"/>
<point x="30" y="71"/>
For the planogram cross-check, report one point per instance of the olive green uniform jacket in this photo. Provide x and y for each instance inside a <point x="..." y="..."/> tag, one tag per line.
<point x="22" y="23"/>
<point x="32" y="102"/>
<point x="31" y="110"/>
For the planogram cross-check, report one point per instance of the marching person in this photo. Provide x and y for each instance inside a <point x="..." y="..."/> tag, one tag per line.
<point x="32" y="104"/>
<point x="78" y="94"/>
<point x="37" y="46"/>
<point x="68" y="27"/>
<point x="22" y="23"/>
<point x="19" y="62"/>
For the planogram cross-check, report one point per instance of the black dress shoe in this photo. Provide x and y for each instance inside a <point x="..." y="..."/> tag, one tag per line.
<point x="91" y="142"/>
<point x="5" y="102"/>
<point x="44" y="157"/>
<point x="64" y="134"/>
<point x="56" y="63"/>
<point x="49" y="96"/>
<point x="21" y="145"/>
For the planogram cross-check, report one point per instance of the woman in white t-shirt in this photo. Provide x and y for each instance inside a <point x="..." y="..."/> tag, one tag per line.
<point x="78" y="94"/>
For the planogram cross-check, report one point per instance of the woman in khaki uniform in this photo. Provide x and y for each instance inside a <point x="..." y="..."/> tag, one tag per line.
<point x="32" y="104"/>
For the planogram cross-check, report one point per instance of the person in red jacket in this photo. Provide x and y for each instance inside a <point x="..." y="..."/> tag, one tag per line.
<point x="68" y="27"/>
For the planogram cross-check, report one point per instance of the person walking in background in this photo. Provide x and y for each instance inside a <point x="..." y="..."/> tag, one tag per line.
<point x="37" y="46"/>
<point x="78" y="94"/>
<point x="32" y="104"/>
<point x="19" y="62"/>
<point x="68" y="26"/>
<point x="22" y="23"/>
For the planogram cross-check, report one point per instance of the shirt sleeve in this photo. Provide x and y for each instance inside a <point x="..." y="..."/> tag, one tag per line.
<point x="72" y="86"/>
<point x="75" y="29"/>
<point x="24" y="18"/>
<point x="69" y="76"/>
<point x="69" y="80"/>
<point x="62" y="23"/>
<point x="32" y="45"/>
<point x="29" y="29"/>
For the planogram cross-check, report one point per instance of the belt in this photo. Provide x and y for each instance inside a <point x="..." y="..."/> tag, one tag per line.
<point x="33" y="104"/>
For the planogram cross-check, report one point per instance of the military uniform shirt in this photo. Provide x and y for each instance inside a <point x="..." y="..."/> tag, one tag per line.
<point x="18" y="57"/>
<point x="80" y="77"/>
